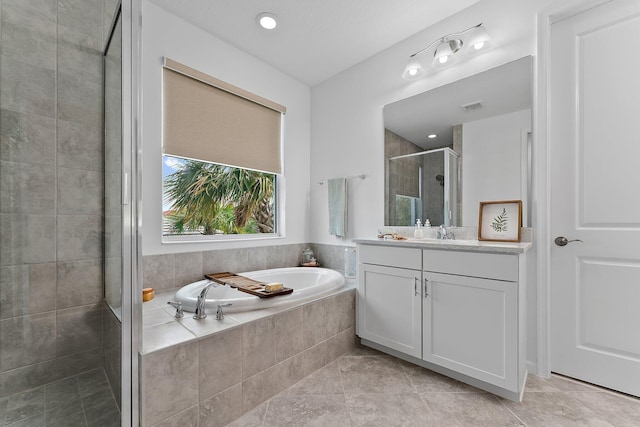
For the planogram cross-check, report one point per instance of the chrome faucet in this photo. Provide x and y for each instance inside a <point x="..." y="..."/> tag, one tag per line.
<point x="442" y="232"/>
<point x="202" y="299"/>
<point x="445" y="233"/>
<point x="220" y="313"/>
<point x="178" y="307"/>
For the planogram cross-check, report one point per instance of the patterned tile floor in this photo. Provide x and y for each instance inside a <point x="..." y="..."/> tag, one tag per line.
<point x="84" y="400"/>
<point x="368" y="388"/>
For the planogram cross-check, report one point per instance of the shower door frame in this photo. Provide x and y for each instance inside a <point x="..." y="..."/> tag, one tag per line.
<point x="130" y="14"/>
<point x="448" y="201"/>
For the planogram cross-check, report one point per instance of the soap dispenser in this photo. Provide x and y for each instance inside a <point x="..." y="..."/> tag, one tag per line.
<point x="427" y="223"/>
<point x="418" y="233"/>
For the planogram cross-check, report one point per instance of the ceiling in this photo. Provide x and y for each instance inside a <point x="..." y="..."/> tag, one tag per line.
<point x="315" y="39"/>
<point x="502" y="90"/>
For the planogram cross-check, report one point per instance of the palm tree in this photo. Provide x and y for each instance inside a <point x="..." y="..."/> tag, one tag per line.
<point x="214" y="198"/>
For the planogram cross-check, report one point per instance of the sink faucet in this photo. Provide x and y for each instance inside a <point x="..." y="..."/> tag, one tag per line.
<point x="202" y="299"/>
<point x="442" y="232"/>
<point x="445" y="233"/>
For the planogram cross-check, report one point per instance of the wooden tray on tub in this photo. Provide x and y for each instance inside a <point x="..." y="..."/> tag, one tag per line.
<point x="245" y="284"/>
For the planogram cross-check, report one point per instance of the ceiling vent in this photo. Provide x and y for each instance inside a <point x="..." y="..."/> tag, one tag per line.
<point x="472" y="106"/>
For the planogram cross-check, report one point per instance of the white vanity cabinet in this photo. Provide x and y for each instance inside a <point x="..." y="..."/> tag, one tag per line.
<point x="390" y="298"/>
<point x="458" y="312"/>
<point x="470" y="315"/>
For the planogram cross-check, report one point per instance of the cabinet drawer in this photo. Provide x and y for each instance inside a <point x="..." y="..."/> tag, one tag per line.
<point x="490" y="266"/>
<point x="394" y="257"/>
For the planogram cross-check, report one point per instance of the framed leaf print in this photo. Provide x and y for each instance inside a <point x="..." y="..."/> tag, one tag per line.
<point x="500" y="221"/>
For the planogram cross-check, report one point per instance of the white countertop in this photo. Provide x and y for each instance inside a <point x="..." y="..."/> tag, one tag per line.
<point x="453" y="245"/>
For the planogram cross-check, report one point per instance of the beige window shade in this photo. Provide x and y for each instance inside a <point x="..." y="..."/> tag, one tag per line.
<point x="210" y="120"/>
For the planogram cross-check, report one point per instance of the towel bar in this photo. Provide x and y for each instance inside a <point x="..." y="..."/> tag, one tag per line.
<point x="361" y="176"/>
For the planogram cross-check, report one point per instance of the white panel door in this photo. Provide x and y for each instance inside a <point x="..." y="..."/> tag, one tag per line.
<point x="594" y="140"/>
<point x="390" y="307"/>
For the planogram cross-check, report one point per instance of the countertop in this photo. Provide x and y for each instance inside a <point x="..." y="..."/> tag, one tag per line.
<point x="453" y="245"/>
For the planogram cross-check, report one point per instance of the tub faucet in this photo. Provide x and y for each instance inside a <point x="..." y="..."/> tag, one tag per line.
<point x="202" y="299"/>
<point x="220" y="313"/>
<point x="178" y="307"/>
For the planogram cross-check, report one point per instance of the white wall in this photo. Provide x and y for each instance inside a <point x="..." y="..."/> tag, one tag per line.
<point x="165" y="35"/>
<point x="347" y="130"/>
<point x="492" y="151"/>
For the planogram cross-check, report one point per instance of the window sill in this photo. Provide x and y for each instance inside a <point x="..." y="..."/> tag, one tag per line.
<point x="219" y="238"/>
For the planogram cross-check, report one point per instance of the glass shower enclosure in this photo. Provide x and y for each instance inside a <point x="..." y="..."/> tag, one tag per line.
<point x="423" y="186"/>
<point x="122" y="314"/>
<point x="65" y="229"/>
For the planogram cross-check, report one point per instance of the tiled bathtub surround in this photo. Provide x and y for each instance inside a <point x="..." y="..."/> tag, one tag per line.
<point x="51" y="192"/>
<point x="212" y="379"/>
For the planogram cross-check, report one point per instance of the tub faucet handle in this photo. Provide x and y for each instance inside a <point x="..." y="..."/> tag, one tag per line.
<point x="178" y="307"/>
<point x="220" y="313"/>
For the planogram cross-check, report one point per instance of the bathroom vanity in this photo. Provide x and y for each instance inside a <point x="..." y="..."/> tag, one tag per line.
<point x="455" y="307"/>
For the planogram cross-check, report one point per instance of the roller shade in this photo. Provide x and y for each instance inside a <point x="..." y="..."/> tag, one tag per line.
<point x="210" y="120"/>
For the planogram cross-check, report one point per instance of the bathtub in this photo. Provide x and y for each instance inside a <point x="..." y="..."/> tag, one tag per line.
<point x="307" y="283"/>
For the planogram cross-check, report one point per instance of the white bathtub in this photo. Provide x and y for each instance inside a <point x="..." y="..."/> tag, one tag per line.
<point x="306" y="282"/>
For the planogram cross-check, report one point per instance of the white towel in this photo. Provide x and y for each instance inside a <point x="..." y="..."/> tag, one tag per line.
<point x="338" y="207"/>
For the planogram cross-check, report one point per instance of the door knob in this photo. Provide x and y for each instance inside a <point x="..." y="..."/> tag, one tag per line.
<point x="563" y="241"/>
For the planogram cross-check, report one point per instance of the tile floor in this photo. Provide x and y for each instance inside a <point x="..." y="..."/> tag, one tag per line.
<point x="84" y="400"/>
<point x="368" y="388"/>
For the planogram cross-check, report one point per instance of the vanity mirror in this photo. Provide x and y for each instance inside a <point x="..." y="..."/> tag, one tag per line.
<point x="485" y="123"/>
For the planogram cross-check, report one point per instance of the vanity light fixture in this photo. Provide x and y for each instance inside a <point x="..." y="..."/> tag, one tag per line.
<point x="267" y="20"/>
<point x="472" y="40"/>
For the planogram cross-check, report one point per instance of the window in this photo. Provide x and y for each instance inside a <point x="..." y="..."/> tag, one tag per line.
<point x="201" y="198"/>
<point x="221" y="157"/>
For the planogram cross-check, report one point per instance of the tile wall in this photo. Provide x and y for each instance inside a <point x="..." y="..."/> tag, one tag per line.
<point x="170" y="271"/>
<point x="215" y="379"/>
<point x="112" y="351"/>
<point x="51" y="189"/>
<point x="401" y="174"/>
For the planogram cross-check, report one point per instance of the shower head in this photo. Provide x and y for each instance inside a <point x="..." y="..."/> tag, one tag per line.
<point x="440" y="179"/>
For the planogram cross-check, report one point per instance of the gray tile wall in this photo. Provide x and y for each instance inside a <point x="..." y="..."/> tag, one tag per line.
<point x="112" y="339"/>
<point x="170" y="271"/>
<point x="216" y="379"/>
<point x="395" y="145"/>
<point x="51" y="189"/>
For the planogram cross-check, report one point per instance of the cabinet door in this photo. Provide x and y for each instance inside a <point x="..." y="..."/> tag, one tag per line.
<point x="390" y="307"/>
<point x="470" y="326"/>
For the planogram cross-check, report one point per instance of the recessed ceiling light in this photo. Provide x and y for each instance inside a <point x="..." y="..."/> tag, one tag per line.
<point x="433" y="135"/>
<point x="267" y="20"/>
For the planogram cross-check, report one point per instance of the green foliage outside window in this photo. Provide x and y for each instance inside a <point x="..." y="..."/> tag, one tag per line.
<point x="208" y="198"/>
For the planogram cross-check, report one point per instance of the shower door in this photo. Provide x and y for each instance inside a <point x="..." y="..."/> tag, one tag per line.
<point x="113" y="219"/>
<point x="121" y="319"/>
<point x="451" y="188"/>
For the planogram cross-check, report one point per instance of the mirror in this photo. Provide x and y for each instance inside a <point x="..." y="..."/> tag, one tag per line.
<point x="485" y="123"/>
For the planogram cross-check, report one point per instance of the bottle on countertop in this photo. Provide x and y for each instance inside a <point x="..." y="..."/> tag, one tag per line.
<point x="418" y="233"/>
<point x="427" y="223"/>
